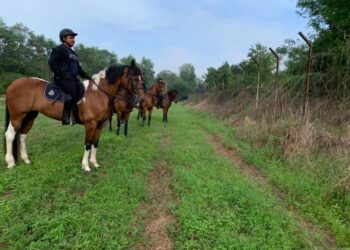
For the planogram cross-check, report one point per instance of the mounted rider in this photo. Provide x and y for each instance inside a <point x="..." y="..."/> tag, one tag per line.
<point x="64" y="63"/>
<point x="159" y="96"/>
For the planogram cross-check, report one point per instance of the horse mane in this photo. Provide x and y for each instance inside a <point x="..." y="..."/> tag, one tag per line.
<point x="96" y="77"/>
<point x="114" y="72"/>
<point x="172" y="94"/>
<point x="173" y="91"/>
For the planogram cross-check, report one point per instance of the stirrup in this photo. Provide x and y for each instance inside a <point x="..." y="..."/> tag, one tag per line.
<point x="66" y="122"/>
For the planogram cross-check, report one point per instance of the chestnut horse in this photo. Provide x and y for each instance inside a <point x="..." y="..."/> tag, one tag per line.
<point x="25" y="99"/>
<point x="123" y="106"/>
<point x="148" y="100"/>
<point x="170" y="96"/>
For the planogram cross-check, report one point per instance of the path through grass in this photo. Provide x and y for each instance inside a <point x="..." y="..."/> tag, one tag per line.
<point x="210" y="204"/>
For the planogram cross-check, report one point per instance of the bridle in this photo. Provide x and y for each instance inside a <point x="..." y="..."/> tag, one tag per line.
<point x="113" y="97"/>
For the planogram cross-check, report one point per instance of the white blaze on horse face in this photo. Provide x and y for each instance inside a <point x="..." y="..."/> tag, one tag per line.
<point x="85" y="162"/>
<point x="22" y="148"/>
<point x="10" y="136"/>
<point x="93" y="157"/>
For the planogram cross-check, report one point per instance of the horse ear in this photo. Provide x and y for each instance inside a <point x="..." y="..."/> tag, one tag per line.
<point x="133" y="64"/>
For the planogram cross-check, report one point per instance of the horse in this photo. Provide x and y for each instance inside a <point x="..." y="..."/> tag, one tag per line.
<point x="170" y="96"/>
<point x="123" y="106"/>
<point x="25" y="99"/>
<point x="148" y="100"/>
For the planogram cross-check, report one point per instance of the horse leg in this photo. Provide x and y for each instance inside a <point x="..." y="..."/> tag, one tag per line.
<point x="126" y="124"/>
<point x="95" y="141"/>
<point x="139" y="114"/>
<point x="110" y="123"/>
<point x="90" y="128"/>
<point x="13" y="126"/>
<point x="27" y="124"/>
<point x="149" y="116"/>
<point x="10" y="135"/>
<point x="119" y="118"/>
<point x="164" y="115"/>
<point x="144" y="113"/>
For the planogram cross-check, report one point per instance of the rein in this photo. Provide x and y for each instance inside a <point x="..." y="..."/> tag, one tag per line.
<point x="111" y="97"/>
<point x="116" y="97"/>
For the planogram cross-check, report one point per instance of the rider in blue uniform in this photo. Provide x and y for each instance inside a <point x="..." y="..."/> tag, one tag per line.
<point x="64" y="63"/>
<point x="159" y="96"/>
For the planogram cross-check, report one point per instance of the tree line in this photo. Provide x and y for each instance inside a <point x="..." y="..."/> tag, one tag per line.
<point x="24" y="53"/>
<point x="330" y="20"/>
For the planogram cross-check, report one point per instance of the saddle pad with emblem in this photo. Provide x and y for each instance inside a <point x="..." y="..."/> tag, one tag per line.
<point x="53" y="93"/>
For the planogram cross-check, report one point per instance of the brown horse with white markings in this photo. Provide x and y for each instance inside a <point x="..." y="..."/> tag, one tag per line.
<point x="171" y="96"/>
<point x="25" y="99"/>
<point x="149" y="99"/>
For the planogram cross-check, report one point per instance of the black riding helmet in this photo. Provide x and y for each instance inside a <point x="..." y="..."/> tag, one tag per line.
<point x="67" y="32"/>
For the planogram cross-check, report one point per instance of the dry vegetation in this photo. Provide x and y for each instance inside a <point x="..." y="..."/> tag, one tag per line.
<point x="325" y="131"/>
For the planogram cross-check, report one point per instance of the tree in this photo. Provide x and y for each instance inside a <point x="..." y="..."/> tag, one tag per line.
<point x="261" y="60"/>
<point x="22" y="53"/>
<point x="211" y="77"/>
<point x="126" y="60"/>
<point x="188" y="75"/>
<point x="93" y="60"/>
<point x="330" y="19"/>
<point x="225" y="76"/>
<point x="175" y="82"/>
<point x="146" y="66"/>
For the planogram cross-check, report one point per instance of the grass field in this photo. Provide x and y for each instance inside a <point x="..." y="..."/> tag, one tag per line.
<point x="164" y="186"/>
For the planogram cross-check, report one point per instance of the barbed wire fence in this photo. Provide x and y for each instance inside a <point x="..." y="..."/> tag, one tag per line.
<point x="318" y="89"/>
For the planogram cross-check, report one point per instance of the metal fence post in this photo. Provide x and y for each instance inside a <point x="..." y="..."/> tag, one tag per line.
<point x="307" y="80"/>
<point x="276" y="81"/>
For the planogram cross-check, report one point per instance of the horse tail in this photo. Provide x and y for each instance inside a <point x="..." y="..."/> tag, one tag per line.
<point x="16" y="140"/>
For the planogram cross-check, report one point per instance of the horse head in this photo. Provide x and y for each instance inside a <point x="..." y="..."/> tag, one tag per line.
<point x="126" y="77"/>
<point x="173" y="94"/>
<point x="133" y="78"/>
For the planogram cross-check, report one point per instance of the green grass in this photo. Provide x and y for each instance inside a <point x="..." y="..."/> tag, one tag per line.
<point x="305" y="181"/>
<point x="217" y="208"/>
<point x="52" y="204"/>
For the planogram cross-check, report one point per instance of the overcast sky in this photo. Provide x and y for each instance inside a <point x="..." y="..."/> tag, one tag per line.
<point x="204" y="33"/>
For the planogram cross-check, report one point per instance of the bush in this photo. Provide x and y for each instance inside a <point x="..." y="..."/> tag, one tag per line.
<point x="6" y="78"/>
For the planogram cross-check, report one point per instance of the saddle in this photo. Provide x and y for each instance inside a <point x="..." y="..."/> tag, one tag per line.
<point x="56" y="94"/>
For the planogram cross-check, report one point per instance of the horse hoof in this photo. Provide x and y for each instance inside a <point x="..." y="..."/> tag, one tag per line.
<point x="27" y="161"/>
<point x="96" y="165"/>
<point x="10" y="166"/>
<point x="86" y="168"/>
